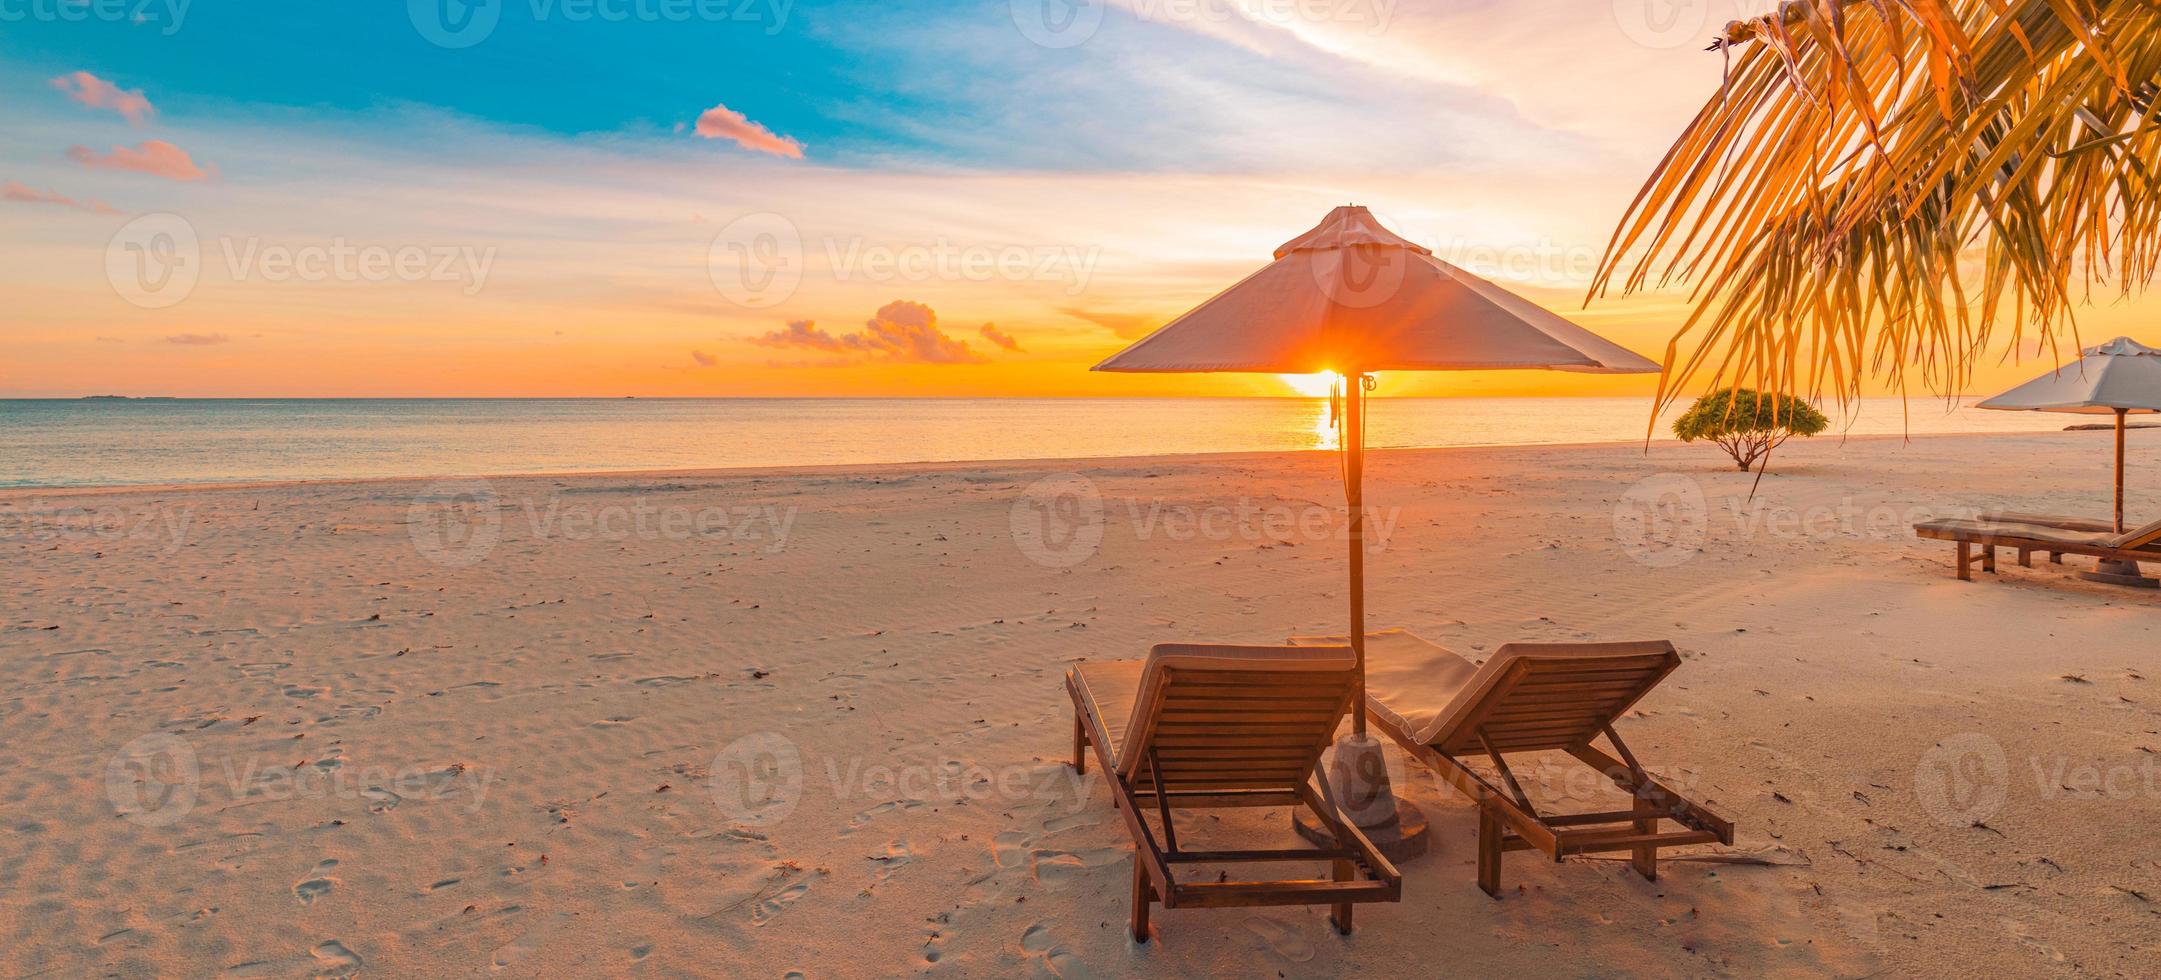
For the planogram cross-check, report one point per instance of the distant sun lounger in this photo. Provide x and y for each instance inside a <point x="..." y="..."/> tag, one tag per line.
<point x="1203" y="726"/>
<point x="1532" y="697"/>
<point x="2027" y="534"/>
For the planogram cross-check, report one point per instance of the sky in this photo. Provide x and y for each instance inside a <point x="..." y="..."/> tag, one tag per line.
<point x="788" y="197"/>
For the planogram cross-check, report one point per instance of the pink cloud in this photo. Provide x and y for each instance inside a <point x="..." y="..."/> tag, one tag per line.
<point x="25" y="194"/>
<point x="1001" y="338"/>
<point x="704" y="359"/>
<point x="154" y="157"/>
<point x="198" y="339"/>
<point x="902" y="333"/>
<point x="98" y="93"/>
<point x="723" y="123"/>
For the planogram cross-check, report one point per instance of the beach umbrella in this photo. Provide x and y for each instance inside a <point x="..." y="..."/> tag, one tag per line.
<point x="1354" y="298"/>
<point x="2116" y="378"/>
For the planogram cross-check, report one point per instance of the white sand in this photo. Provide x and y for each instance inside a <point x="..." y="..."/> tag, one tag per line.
<point x="536" y="761"/>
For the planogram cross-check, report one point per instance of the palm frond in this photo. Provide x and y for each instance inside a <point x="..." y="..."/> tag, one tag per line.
<point x="1881" y="185"/>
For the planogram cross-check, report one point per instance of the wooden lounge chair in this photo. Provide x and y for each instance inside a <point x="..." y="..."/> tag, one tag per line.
<point x="1201" y="726"/>
<point x="2068" y="536"/>
<point x="1532" y="697"/>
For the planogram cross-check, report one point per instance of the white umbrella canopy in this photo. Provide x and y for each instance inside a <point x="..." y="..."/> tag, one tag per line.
<point x="2117" y="378"/>
<point x="1352" y="297"/>
<point x="2122" y="374"/>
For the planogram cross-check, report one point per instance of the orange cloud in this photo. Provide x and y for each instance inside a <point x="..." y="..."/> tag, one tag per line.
<point x="1001" y="338"/>
<point x="723" y="123"/>
<point x="901" y="333"/>
<point x="704" y="359"/>
<point x="154" y="157"/>
<point x="25" y="194"/>
<point x="98" y="93"/>
<point x="1126" y="325"/>
<point x="197" y="339"/>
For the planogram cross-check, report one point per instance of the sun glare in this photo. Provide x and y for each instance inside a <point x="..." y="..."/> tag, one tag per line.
<point x="1311" y="385"/>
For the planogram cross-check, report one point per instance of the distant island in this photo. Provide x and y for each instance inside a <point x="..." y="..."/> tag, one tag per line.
<point x="128" y="398"/>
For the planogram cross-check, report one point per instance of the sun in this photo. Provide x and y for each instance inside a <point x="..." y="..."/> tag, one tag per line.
<point x="1312" y="385"/>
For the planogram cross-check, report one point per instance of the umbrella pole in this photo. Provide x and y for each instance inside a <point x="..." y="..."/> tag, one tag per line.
<point x="2111" y="570"/>
<point x="2120" y="413"/>
<point x="1357" y="771"/>
<point x="1354" y="462"/>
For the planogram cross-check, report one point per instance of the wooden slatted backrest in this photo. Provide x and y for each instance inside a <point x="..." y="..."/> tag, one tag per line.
<point x="1555" y="696"/>
<point x="2138" y="537"/>
<point x="1236" y="718"/>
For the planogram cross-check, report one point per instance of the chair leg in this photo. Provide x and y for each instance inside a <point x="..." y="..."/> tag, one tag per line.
<point x="2055" y="557"/>
<point x="1141" y="895"/>
<point x="1965" y="561"/>
<point x="1080" y="744"/>
<point x="1644" y="857"/>
<point x="2025" y="557"/>
<point x="1988" y="559"/>
<point x="1340" y="915"/>
<point x="1489" y="852"/>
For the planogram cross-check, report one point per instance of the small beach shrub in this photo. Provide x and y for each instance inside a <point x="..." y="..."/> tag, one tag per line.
<point x="1748" y="424"/>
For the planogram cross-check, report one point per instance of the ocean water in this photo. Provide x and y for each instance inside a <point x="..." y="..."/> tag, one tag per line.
<point x="99" y="442"/>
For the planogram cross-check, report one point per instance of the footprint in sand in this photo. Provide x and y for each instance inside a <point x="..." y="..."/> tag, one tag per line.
<point x="317" y="884"/>
<point x="896" y="856"/>
<point x="381" y="800"/>
<point x="1010" y="848"/>
<point x="1058" y="961"/>
<point x="332" y="959"/>
<point x="1281" y="938"/>
<point x="864" y="818"/>
<point x="524" y="946"/>
<point x="1054" y="867"/>
<point x="1071" y="821"/>
<point x="777" y="903"/>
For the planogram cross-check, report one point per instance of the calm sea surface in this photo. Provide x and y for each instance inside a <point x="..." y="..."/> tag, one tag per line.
<point x="102" y="442"/>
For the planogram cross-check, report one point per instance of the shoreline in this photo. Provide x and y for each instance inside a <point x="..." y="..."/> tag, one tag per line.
<point x="851" y="469"/>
